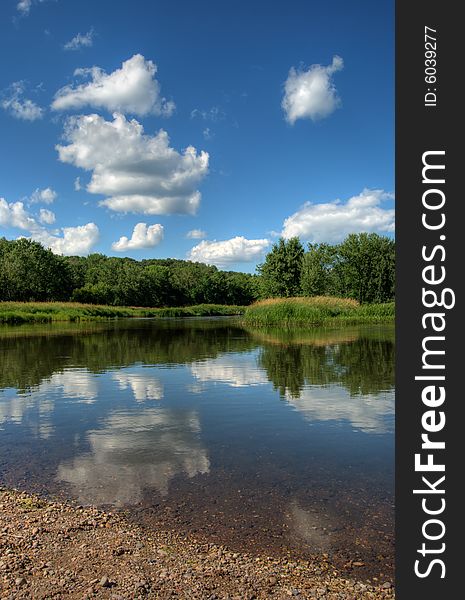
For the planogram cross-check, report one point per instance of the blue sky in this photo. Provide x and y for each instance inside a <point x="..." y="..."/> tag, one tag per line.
<point x="195" y="130"/>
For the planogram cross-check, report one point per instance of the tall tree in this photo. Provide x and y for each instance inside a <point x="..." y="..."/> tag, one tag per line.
<point x="282" y="269"/>
<point x="316" y="270"/>
<point x="365" y="269"/>
<point x="31" y="272"/>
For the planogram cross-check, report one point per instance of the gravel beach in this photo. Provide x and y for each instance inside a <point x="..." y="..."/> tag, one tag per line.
<point x="55" y="550"/>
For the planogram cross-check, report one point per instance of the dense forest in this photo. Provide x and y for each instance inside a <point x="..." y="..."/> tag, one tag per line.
<point x="361" y="267"/>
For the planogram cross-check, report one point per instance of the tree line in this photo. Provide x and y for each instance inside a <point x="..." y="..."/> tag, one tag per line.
<point x="362" y="267"/>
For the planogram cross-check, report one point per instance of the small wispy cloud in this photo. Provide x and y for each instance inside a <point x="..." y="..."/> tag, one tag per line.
<point x="45" y="196"/>
<point x="18" y="106"/>
<point x="24" y="7"/>
<point x="213" y="114"/>
<point x="196" y="234"/>
<point x="47" y="217"/>
<point x="208" y="133"/>
<point x="81" y="40"/>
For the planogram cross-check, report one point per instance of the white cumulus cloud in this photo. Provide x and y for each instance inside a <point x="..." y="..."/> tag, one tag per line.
<point x="196" y="234"/>
<point x="311" y="94"/>
<point x="142" y="173"/>
<point x="74" y="241"/>
<point x="130" y="89"/>
<point x="237" y="249"/>
<point x="46" y="216"/>
<point x="81" y="40"/>
<point x="69" y="240"/>
<point x="45" y="196"/>
<point x="14" y="214"/>
<point x="333" y="221"/>
<point x="143" y="236"/>
<point x="18" y="106"/>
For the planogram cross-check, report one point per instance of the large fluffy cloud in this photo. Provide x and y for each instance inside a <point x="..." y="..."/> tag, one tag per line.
<point x="311" y="94"/>
<point x="333" y="221"/>
<point x="143" y="236"/>
<point x="18" y="106"/>
<point x="237" y="249"/>
<point x="139" y="173"/>
<point x="69" y="241"/>
<point x="130" y="89"/>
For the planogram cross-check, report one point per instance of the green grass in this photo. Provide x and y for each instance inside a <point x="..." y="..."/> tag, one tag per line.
<point x="318" y="310"/>
<point x="46" y="312"/>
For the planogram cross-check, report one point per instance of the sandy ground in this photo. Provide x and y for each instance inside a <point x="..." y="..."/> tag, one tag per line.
<point x="55" y="550"/>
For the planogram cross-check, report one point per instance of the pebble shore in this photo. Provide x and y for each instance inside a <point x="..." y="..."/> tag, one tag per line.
<point x="52" y="550"/>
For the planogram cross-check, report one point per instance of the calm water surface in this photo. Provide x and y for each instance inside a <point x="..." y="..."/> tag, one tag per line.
<point x="256" y="438"/>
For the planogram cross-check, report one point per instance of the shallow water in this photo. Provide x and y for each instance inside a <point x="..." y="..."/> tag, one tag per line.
<point x="260" y="439"/>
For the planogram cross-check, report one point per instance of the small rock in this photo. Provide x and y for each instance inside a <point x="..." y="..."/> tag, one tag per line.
<point x="272" y="581"/>
<point x="139" y="545"/>
<point x="20" y="581"/>
<point x="104" y="582"/>
<point x="387" y="585"/>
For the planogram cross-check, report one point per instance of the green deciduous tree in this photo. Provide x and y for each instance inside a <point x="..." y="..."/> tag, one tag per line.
<point x="316" y="278"/>
<point x="30" y="272"/>
<point x="282" y="269"/>
<point x="365" y="268"/>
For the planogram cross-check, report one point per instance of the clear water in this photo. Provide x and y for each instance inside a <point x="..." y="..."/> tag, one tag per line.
<point x="255" y="438"/>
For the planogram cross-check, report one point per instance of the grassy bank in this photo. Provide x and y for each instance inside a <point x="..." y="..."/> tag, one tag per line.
<point x="46" y="312"/>
<point x="318" y="310"/>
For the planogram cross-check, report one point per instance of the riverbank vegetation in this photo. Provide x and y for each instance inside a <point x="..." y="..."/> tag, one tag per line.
<point x="46" y="312"/>
<point x="319" y="310"/>
<point x="353" y="281"/>
<point x="30" y="272"/>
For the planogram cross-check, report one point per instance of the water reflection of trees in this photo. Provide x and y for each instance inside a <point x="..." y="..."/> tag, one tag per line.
<point x="363" y="366"/>
<point x="360" y="360"/>
<point x="28" y="359"/>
